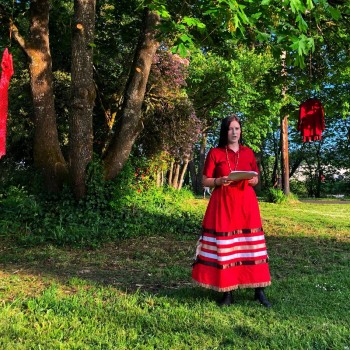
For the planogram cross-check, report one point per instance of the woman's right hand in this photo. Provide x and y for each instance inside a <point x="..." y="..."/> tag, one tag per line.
<point x="223" y="181"/>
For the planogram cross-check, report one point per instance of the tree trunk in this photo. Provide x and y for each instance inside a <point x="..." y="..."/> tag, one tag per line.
<point x="176" y="175"/>
<point x="202" y="154"/>
<point x="170" y="177"/>
<point x="285" y="155"/>
<point x="159" y="178"/>
<point x="131" y="118"/>
<point x="318" y="171"/>
<point x="284" y="132"/>
<point x="183" y="171"/>
<point x="276" y="183"/>
<point x="47" y="152"/>
<point x="193" y="177"/>
<point x="82" y="94"/>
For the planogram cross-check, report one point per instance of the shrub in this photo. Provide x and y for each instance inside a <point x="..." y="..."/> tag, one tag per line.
<point x="110" y="209"/>
<point x="277" y="196"/>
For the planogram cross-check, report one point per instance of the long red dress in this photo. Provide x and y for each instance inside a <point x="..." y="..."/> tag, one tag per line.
<point x="232" y="252"/>
<point x="311" y="120"/>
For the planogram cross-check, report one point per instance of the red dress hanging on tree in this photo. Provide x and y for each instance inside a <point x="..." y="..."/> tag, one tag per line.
<point x="311" y="120"/>
<point x="6" y="74"/>
<point x="232" y="252"/>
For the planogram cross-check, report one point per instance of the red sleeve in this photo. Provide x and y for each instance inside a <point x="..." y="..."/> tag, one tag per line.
<point x="210" y="164"/>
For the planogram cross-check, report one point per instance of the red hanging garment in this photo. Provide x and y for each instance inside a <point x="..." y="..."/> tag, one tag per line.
<point x="6" y="74"/>
<point x="311" y="120"/>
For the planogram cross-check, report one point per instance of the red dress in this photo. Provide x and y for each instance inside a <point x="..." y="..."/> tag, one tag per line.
<point x="232" y="252"/>
<point x="311" y="120"/>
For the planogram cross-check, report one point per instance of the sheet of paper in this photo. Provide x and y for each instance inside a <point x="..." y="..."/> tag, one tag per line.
<point x="242" y="175"/>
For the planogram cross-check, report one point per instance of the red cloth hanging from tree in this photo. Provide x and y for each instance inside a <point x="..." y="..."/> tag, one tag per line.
<point x="311" y="120"/>
<point x="6" y="74"/>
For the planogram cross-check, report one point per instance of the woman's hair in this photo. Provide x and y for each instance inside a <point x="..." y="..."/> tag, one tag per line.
<point x="225" y="124"/>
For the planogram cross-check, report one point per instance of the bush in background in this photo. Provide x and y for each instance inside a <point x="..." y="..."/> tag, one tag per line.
<point x="275" y="195"/>
<point x="114" y="209"/>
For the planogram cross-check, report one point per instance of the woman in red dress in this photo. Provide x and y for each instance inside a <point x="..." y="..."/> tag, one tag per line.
<point x="231" y="252"/>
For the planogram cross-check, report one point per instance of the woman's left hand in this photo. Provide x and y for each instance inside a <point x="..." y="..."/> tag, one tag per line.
<point x="253" y="181"/>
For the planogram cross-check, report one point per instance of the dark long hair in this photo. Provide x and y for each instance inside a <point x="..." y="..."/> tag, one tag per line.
<point x="225" y="124"/>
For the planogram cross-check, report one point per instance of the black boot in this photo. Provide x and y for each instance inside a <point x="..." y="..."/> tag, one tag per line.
<point x="261" y="297"/>
<point x="226" y="299"/>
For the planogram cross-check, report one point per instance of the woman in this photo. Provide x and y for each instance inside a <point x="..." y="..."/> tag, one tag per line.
<point x="232" y="252"/>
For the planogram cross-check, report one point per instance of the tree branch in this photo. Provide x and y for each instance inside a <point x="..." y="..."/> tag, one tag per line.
<point x="18" y="37"/>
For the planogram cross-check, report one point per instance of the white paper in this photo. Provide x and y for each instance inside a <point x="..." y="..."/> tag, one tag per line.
<point x="242" y="175"/>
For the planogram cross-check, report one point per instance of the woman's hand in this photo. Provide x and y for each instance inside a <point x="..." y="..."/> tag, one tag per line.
<point x="223" y="181"/>
<point x="253" y="181"/>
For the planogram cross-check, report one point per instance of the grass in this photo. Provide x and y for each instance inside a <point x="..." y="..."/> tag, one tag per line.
<point x="137" y="293"/>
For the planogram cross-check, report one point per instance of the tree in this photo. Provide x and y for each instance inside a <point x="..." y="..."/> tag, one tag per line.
<point x="171" y="125"/>
<point x="83" y="93"/>
<point x="47" y="153"/>
<point x="220" y="87"/>
<point x="221" y="26"/>
<point x="131" y="118"/>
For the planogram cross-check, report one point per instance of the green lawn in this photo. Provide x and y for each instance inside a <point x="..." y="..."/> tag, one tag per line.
<point x="137" y="293"/>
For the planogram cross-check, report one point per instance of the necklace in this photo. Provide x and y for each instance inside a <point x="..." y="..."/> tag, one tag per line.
<point x="228" y="162"/>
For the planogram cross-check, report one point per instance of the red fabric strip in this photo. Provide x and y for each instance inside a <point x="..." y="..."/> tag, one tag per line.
<point x="6" y="74"/>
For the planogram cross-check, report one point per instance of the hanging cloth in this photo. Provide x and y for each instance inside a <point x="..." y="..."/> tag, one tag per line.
<point x="6" y="74"/>
<point x="311" y="120"/>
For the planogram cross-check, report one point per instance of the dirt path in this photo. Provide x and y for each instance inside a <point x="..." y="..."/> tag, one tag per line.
<point x="325" y="201"/>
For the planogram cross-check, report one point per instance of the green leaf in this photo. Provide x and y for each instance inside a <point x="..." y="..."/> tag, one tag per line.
<point x="256" y="15"/>
<point x="236" y="21"/>
<point x="164" y="14"/>
<point x="303" y="45"/>
<point x="299" y="61"/>
<point x="182" y="49"/>
<point x="193" y="22"/>
<point x="242" y="15"/>
<point x="263" y="36"/>
<point x="281" y="38"/>
<point x="297" y="6"/>
<point x="311" y="44"/>
<point x="210" y="12"/>
<point x="335" y="13"/>
<point x="301" y="23"/>
<point x="185" y="38"/>
<point x="265" y="2"/>
<point x="309" y="4"/>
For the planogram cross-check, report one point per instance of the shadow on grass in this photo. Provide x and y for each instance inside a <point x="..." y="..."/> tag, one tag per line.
<point x="306" y="272"/>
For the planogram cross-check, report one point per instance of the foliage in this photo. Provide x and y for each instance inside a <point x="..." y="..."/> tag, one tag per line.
<point x="292" y="26"/>
<point x="171" y="122"/>
<point x="220" y="86"/>
<point x="277" y="196"/>
<point x="122" y="208"/>
<point x="298" y="187"/>
<point x="236" y="69"/>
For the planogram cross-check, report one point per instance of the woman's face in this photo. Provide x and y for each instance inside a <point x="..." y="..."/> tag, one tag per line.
<point x="234" y="132"/>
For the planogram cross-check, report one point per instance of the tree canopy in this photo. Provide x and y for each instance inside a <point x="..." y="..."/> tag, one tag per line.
<point x="118" y="77"/>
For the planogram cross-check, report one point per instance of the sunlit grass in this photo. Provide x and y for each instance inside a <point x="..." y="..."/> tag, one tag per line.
<point x="137" y="293"/>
